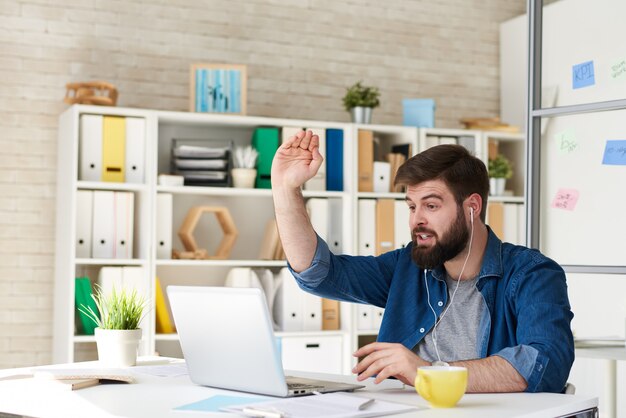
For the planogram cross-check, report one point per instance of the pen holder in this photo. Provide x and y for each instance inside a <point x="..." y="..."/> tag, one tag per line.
<point x="243" y="177"/>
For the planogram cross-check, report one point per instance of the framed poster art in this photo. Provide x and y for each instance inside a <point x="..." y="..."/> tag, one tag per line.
<point x="218" y="88"/>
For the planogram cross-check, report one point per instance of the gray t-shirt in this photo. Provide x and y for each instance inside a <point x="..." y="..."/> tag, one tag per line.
<point x="457" y="333"/>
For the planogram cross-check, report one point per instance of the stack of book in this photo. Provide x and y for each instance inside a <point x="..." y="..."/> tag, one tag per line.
<point x="200" y="165"/>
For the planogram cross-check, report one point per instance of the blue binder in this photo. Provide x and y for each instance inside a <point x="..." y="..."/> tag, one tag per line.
<point x="334" y="160"/>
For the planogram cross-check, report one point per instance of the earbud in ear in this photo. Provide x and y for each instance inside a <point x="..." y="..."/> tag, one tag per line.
<point x="471" y="211"/>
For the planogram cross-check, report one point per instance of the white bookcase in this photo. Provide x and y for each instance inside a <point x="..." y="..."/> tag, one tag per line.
<point x="250" y="209"/>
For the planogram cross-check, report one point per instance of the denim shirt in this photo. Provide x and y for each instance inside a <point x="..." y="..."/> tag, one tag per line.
<point x="528" y="315"/>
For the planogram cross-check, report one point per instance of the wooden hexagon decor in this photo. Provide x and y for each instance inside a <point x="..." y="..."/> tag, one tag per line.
<point x="226" y="223"/>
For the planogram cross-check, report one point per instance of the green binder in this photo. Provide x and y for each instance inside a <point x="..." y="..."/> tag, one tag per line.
<point x="82" y="297"/>
<point x="266" y="142"/>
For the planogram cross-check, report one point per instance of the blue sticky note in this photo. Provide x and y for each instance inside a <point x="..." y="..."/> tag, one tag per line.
<point x="583" y="75"/>
<point x="214" y="403"/>
<point x="615" y="152"/>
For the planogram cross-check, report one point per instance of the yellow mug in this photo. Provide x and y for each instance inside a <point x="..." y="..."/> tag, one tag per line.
<point x="441" y="386"/>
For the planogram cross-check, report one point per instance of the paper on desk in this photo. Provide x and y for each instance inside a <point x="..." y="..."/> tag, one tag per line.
<point x="214" y="403"/>
<point x="167" y="370"/>
<point x="332" y="405"/>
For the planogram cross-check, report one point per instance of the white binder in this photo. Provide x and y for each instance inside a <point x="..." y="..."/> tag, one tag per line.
<point x="335" y="226"/>
<point x="287" y="132"/>
<point x="110" y="278"/>
<point x="318" y="213"/>
<point x="521" y="224"/>
<point x="164" y="226"/>
<point x="382" y="171"/>
<point x="430" y="141"/>
<point x="447" y="140"/>
<point x="367" y="227"/>
<point x="288" y="305"/>
<point x="103" y="232"/>
<point x="124" y="224"/>
<point x="135" y="150"/>
<point x="242" y="277"/>
<point x="312" y="312"/>
<point x="365" y="317"/>
<point x="90" y="165"/>
<point x="402" y="231"/>
<point x="84" y="212"/>
<point x="319" y="181"/>
<point x="510" y="223"/>
<point x="136" y="278"/>
<point x="377" y="317"/>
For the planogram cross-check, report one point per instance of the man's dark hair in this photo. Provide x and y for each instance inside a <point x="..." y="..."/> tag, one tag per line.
<point x="463" y="173"/>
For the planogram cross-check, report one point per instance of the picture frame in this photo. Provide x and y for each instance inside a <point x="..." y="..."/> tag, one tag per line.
<point x="218" y="88"/>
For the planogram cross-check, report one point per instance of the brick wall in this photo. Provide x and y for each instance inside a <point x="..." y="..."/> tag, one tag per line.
<point x="301" y="54"/>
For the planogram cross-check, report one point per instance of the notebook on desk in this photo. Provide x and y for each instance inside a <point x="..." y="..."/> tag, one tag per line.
<point x="227" y="340"/>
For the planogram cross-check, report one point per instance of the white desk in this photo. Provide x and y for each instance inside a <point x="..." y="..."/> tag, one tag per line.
<point x="610" y="355"/>
<point x="155" y="397"/>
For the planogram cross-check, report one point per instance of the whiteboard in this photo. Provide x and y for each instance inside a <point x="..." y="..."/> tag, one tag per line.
<point x="583" y="200"/>
<point x="583" y="157"/>
<point x="583" y="50"/>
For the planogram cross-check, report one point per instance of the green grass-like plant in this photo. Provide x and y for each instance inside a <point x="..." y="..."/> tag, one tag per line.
<point x="121" y="309"/>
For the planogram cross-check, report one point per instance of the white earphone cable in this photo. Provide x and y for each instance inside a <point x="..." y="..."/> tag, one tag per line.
<point x="437" y="321"/>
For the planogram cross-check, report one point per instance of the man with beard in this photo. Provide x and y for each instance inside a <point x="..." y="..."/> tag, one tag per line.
<point x="456" y="294"/>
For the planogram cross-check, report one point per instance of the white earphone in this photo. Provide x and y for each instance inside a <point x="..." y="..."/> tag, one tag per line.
<point x="472" y="215"/>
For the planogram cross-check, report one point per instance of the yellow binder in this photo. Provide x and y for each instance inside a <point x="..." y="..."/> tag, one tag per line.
<point x="163" y="323"/>
<point x="113" y="148"/>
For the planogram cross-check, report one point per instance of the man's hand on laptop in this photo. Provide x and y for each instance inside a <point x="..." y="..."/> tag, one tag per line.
<point x="384" y="360"/>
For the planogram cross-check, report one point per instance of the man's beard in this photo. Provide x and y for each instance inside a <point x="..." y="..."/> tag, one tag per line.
<point x="448" y="246"/>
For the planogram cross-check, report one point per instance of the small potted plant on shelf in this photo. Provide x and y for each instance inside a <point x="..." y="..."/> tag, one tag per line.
<point x="244" y="160"/>
<point x="117" y="318"/>
<point x="500" y="169"/>
<point x="360" y="100"/>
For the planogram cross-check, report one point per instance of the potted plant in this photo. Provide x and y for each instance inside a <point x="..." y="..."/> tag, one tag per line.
<point x="117" y="319"/>
<point x="500" y="169"/>
<point x="360" y="100"/>
<point x="244" y="161"/>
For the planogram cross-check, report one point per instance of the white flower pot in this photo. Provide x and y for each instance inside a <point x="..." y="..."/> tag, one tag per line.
<point x="243" y="177"/>
<point x="117" y="347"/>
<point x="361" y="114"/>
<point x="496" y="186"/>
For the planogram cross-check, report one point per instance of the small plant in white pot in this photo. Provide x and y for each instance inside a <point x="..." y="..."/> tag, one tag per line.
<point x="244" y="160"/>
<point x="117" y="333"/>
<point x="500" y="169"/>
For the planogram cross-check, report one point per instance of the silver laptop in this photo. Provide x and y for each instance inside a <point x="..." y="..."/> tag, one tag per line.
<point x="228" y="342"/>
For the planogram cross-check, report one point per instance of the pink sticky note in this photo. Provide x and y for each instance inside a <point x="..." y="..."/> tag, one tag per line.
<point x="565" y="199"/>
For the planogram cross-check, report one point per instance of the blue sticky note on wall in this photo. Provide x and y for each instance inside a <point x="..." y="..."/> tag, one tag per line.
<point x="583" y="75"/>
<point x="615" y="152"/>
